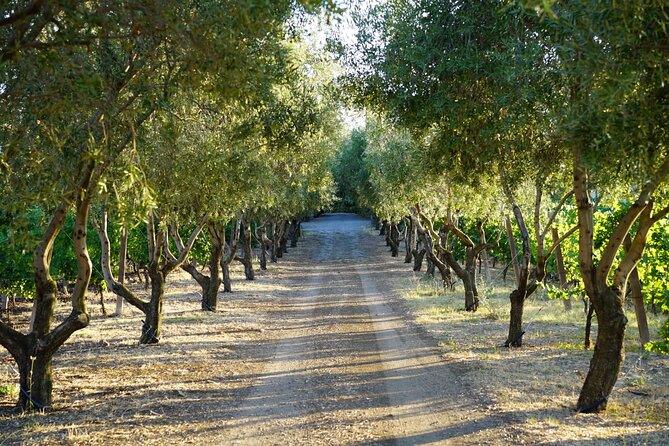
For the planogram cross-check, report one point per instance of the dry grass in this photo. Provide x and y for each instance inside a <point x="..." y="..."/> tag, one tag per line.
<point x="540" y="382"/>
<point x="110" y="390"/>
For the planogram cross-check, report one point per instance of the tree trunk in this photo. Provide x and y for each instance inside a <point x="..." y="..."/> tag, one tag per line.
<point x="209" y="284"/>
<point x="606" y="299"/>
<point x="443" y="264"/>
<point x="264" y="243"/>
<point x="637" y="298"/>
<point x="35" y="351"/>
<point x="274" y="254"/>
<point x="469" y="283"/>
<point x="35" y="379"/>
<point x="522" y="292"/>
<point x="283" y="240"/>
<point x="376" y="223"/>
<point x="229" y="255"/>
<point x="393" y="240"/>
<point x="123" y="254"/>
<point x="639" y="309"/>
<point x="562" y="274"/>
<point x="247" y="247"/>
<point x="588" y="323"/>
<point x="279" y="241"/>
<point x="4" y="306"/>
<point x="485" y="260"/>
<point x="294" y="234"/>
<point x="609" y="351"/>
<point x="418" y="257"/>
<point x="212" y="284"/>
<point x="515" y="338"/>
<point x="382" y="231"/>
<point x="410" y="241"/>
<point x="512" y="249"/>
<point x="161" y="263"/>
<point x="152" y="325"/>
<point x="227" y="282"/>
<point x="105" y="250"/>
<point x="430" y="267"/>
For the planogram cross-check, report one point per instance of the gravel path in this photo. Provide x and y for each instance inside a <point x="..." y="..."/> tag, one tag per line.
<point x="348" y="366"/>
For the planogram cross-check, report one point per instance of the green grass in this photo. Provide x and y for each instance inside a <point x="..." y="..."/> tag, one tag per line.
<point x="9" y="390"/>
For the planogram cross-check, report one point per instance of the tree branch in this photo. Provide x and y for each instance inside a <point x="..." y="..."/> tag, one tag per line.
<point x="172" y="264"/>
<point x="555" y="212"/>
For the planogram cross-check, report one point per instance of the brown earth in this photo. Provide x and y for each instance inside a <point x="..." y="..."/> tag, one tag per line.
<point x="320" y="349"/>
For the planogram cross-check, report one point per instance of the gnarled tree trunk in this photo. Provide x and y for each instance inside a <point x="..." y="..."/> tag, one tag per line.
<point x="229" y="255"/>
<point x="247" y="248"/>
<point x="562" y="274"/>
<point x="34" y="352"/>
<point x="393" y="239"/>
<point x="637" y="299"/>
<point x="265" y="243"/>
<point x="274" y="248"/>
<point x="293" y="233"/>
<point x="410" y="240"/>
<point x="160" y="266"/>
<point x="122" y="259"/>
<point x="608" y="298"/>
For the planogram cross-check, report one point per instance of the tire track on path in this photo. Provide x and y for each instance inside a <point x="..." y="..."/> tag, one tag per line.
<point x="348" y="367"/>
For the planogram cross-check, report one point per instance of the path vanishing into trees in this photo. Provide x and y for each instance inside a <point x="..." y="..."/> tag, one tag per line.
<point x="348" y="366"/>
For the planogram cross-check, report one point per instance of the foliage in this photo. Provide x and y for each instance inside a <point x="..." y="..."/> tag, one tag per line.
<point x="661" y="346"/>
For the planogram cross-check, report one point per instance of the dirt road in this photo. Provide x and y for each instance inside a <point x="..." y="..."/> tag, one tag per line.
<point x="348" y="367"/>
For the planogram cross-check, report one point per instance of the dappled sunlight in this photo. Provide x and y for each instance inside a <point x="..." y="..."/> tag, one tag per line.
<point x="329" y="351"/>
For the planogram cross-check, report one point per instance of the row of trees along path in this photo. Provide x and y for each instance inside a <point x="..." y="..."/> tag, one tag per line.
<point x="201" y="120"/>
<point x="549" y="115"/>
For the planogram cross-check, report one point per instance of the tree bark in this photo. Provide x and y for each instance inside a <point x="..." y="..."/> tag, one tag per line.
<point x="105" y="250"/>
<point x="274" y="253"/>
<point x="264" y="244"/>
<point x="410" y="240"/>
<point x="294" y="233"/>
<point x="512" y="249"/>
<point x="639" y="308"/>
<point x="562" y="274"/>
<point x="418" y="257"/>
<point x="588" y="325"/>
<point x="393" y="239"/>
<point x="152" y="325"/>
<point x="472" y="251"/>
<point x="123" y="254"/>
<point x="161" y="263"/>
<point x="522" y="291"/>
<point x="229" y="255"/>
<point x="376" y="222"/>
<point x="485" y="260"/>
<point x="247" y="247"/>
<point x="34" y="352"/>
<point x="606" y="299"/>
<point x="608" y="355"/>
<point x="637" y="299"/>
<point x="515" y="338"/>
<point x="283" y="239"/>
